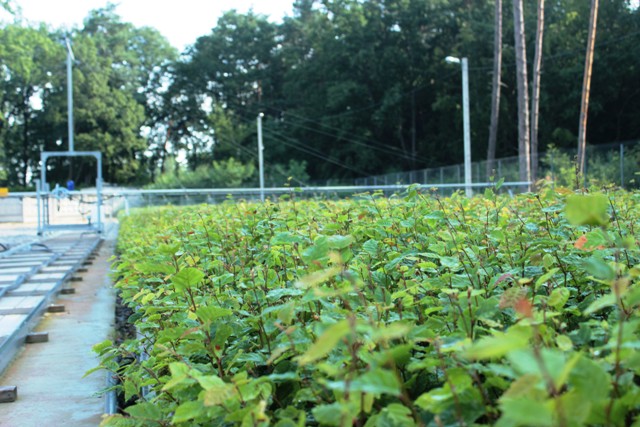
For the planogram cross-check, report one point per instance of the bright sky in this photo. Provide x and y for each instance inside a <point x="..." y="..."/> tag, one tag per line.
<point x="180" y="21"/>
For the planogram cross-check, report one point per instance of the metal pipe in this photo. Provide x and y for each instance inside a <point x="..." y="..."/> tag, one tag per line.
<point x="260" y="158"/>
<point x="467" y="126"/>
<point x="70" y="59"/>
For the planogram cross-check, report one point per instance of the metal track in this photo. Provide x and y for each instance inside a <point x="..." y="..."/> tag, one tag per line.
<point x="30" y="279"/>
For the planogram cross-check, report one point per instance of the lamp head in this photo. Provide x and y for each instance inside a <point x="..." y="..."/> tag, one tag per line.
<point x="452" y="60"/>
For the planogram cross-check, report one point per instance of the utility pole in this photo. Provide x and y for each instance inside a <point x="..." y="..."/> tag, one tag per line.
<point x="466" y="122"/>
<point x="260" y="158"/>
<point x="467" y="127"/>
<point x="70" y="59"/>
<point x="586" y="87"/>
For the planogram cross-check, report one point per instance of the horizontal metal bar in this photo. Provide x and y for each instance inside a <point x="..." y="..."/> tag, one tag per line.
<point x="280" y="190"/>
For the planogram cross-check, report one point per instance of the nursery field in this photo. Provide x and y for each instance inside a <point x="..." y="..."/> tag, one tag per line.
<point x="404" y="311"/>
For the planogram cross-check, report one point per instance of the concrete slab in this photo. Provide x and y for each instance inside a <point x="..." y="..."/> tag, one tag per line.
<point x="65" y="264"/>
<point x="21" y="256"/>
<point x="76" y="258"/>
<point x="20" y="264"/>
<point x="19" y="304"/>
<point x="46" y="277"/>
<point x="9" y="278"/>
<point x="54" y="269"/>
<point x="9" y="323"/>
<point x="29" y="289"/>
<point x="16" y="270"/>
<point x="52" y="390"/>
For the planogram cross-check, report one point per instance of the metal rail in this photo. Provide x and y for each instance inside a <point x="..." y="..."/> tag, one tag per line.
<point x="355" y="189"/>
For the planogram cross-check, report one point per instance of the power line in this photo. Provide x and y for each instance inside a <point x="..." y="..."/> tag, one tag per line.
<point x="290" y="142"/>
<point x="374" y="145"/>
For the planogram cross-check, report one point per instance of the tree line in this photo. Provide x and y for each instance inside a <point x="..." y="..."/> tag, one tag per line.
<point x="348" y="88"/>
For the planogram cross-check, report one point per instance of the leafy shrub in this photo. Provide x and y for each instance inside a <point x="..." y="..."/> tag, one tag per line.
<point x="229" y="173"/>
<point x="383" y="311"/>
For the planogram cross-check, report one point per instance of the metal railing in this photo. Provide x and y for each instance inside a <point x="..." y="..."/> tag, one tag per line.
<point x="115" y="200"/>
<point x="611" y="163"/>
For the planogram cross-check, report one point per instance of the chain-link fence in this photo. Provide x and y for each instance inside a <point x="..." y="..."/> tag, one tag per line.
<point x="606" y="164"/>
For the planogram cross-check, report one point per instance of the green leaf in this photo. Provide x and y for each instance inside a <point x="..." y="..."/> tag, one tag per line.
<point x="223" y="332"/>
<point x="179" y="376"/>
<point x="285" y="238"/>
<point x="452" y="263"/>
<point x="390" y="332"/>
<point x="558" y="298"/>
<point x="208" y="314"/>
<point x="564" y="343"/>
<point x="435" y="400"/>
<point x="394" y="415"/>
<point x="605" y="301"/>
<point x="187" y="278"/>
<point x="318" y="277"/>
<point x="276" y="294"/>
<point x="317" y="252"/>
<point x="499" y="344"/>
<point x="598" y="268"/>
<point x="377" y="381"/>
<point x="526" y="412"/>
<point x="287" y="313"/>
<point x="154" y="267"/>
<point x="590" y="379"/>
<point x="340" y="242"/>
<point x="587" y="209"/>
<point x="545" y="277"/>
<point x="100" y="348"/>
<point x="325" y="343"/>
<point x="329" y="415"/>
<point x="216" y="391"/>
<point x="166" y="249"/>
<point x="595" y="239"/>
<point x="371" y="247"/>
<point x="187" y="411"/>
<point x="145" y="411"/>
<point x="555" y="364"/>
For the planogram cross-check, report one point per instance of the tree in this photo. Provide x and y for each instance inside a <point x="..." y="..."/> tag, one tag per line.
<point x="586" y="87"/>
<point x="495" y="88"/>
<point x="523" y="97"/>
<point x="535" y="90"/>
<point x="119" y="73"/>
<point x="29" y="61"/>
<point x="228" y="75"/>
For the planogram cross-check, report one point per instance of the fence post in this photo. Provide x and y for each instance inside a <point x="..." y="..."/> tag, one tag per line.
<point x="441" y="175"/>
<point x="621" y="165"/>
<point x="499" y="170"/>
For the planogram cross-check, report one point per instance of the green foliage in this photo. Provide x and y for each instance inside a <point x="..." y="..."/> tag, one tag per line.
<point x="403" y="311"/>
<point x="117" y="78"/>
<point x="229" y="173"/>
<point x="352" y="88"/>
<point x="29" y="59"/>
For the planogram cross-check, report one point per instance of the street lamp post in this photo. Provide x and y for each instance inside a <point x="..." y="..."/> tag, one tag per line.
<point x="70" y="59"/>
<point x="465" y="120"/>
<point x="260" y="159"/>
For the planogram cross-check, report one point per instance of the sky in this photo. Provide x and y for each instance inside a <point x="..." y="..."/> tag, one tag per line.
<point x="180" y="21"/>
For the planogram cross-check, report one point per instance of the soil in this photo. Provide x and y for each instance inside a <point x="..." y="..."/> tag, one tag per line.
<point x="124" y="330"/>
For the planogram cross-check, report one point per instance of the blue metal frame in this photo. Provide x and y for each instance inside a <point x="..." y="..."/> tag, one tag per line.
<point x="44" y="193"/>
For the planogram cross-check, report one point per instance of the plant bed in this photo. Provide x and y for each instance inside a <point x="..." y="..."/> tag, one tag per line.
<point x="376" y="311"/>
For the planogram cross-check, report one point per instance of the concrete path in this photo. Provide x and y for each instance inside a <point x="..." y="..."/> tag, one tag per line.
<point x="51" y="390"/>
